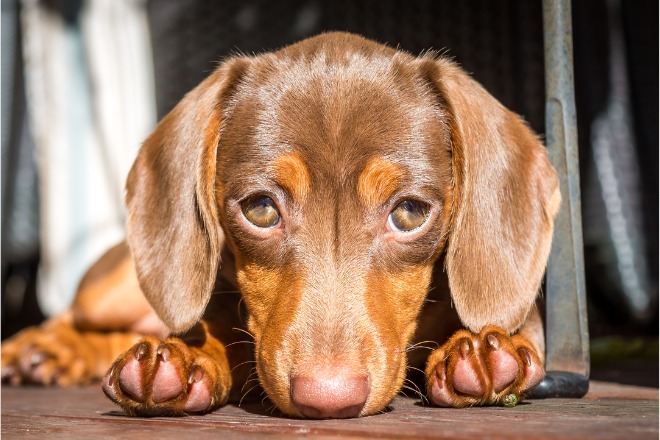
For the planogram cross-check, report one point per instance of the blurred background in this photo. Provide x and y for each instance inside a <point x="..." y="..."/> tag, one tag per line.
<point x="84" y="82"/>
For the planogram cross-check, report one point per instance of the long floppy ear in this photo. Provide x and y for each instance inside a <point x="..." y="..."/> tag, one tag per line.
<point x="506" y="195"/>
<point x="173" y="228"/>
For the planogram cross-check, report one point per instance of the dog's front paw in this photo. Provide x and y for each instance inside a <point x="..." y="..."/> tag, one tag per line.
<point x="482" y="369"/>
<point x="54" y="353"/>
<point x="167" y="377"/>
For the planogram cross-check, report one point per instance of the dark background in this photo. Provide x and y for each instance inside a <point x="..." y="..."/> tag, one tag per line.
<point x="501" y="43"/>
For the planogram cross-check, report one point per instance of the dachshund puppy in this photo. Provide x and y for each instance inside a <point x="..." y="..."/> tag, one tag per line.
<point x="312" y="217"/>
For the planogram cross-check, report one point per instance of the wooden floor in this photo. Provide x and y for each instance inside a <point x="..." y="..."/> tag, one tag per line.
<point x="608" y="412"/>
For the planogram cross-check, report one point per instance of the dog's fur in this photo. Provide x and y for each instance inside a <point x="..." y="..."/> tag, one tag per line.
<point x="337" y="131"/>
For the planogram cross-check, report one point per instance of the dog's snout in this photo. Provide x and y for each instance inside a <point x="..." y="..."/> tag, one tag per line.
<point x="330" y="394"/>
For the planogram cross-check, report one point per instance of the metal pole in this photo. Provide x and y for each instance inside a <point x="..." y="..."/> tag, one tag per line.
<point x="567" y="338"/>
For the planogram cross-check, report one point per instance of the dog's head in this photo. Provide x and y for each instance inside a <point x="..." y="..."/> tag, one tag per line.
<point x="337" y="170"/>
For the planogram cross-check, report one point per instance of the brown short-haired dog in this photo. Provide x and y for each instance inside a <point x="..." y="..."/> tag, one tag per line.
<point x="339" y="201"/>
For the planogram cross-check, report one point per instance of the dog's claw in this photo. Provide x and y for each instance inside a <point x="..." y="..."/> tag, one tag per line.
<point x="37" y="359"/>
<point x="141" y="351"/>
<point x="196" y="375"/>
<point x="465" y="348"/>
<point x="111" y="374"/>
<point x="493" y="341"/>
<point x="164" y="353"/>
<point x="7" y="372"/>
<point x="440" y="372"/>
<point x="526" y="356"/>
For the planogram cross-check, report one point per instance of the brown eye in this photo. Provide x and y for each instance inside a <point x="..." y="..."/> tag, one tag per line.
<point x="408" y="215"/>
<point x="261" y="211"/>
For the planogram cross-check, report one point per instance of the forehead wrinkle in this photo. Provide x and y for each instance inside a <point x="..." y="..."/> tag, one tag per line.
<point x="337" y="109"/>
<point x="323" y="80"/>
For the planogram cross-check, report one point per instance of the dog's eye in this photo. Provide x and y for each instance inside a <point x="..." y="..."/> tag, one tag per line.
<point x="261" y="211"/>
<point x="408" y="215"/>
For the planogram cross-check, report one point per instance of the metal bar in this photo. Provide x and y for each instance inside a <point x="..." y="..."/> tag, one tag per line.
<point x="567" y="338"/>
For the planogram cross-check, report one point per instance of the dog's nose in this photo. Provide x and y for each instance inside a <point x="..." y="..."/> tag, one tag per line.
<point x="330" y="394"/>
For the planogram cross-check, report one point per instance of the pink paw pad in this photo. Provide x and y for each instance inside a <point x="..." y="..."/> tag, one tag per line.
<point x="199" y="397"/>
<point x="467" y="377"/>
<point x="503" y="366"/>
<point x="130" y="376"/>
<point x="534" y="372"/>
<point x="440" y="393"/>
<point x="166" y="384"/>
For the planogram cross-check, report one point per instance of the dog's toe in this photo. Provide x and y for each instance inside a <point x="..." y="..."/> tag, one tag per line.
<point x="131" y="374"/>
<point x="532" y="366"/>
<point x="502" y="361"/>
<point x="199" y="396"/>
<point x="167" y="384"/>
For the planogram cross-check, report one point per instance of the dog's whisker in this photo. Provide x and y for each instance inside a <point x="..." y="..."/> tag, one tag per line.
<point x="239" y="309"/>
<point x="409" y="349"/>
<point x="240" y="342"/>
<point x="245" y="394"/>
<point x="382" y="411"/>
<point x="409" y="367"/>
<point x="256" y="379"/>
<point x="244" y="331"/>
<point x="242" y="363"/>
<point x="419" y="345"/>
<point x="416" y="389"/>
<point x="252" y="376"/>
<point x="414" y="385"/>
<point x="415" y="392"/>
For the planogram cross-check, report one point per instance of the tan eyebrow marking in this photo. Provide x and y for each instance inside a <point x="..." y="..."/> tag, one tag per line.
<point x="378" y="180"/>
<point x="292" y="174"/>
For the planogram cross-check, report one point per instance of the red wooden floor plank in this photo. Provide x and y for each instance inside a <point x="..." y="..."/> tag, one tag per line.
<point x="608" y="412"/>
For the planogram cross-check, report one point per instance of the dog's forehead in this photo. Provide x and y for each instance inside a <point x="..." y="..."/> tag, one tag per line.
<point x="334" y="115"/>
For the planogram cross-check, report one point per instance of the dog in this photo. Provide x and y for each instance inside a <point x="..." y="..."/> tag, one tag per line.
<point x="318" y="219"/>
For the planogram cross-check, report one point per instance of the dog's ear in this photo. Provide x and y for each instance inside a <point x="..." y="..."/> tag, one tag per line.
<point x="173" y="227"/>
<point x="505" y="197"/>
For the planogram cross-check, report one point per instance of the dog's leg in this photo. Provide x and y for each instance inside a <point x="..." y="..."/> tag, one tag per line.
<point x="57" y="353"/>
<point x="77" y="347"/>
<point x="174" y="376"/>
<point x="482" y="368"/>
